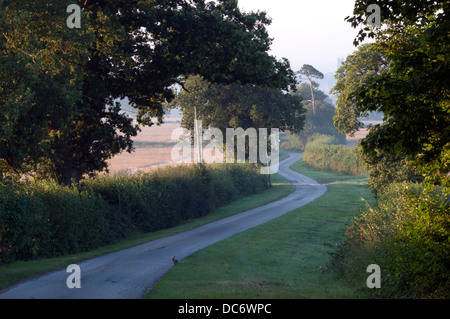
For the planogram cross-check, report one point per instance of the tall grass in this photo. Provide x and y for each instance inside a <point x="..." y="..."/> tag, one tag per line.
<point x="408" y="235"/>
<point x="44" y="219"/>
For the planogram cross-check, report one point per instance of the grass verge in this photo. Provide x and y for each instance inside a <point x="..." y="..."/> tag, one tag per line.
<point x="14" y="272"/>
<point x="285" y="258"/>
<point x="321" y="175"/>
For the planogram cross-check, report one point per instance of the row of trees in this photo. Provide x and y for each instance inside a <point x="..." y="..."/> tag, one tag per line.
<point x="237" y="105"/>
<point x="319" y="112"/>
<point x="302" y="113"/>
<point x="59" y="87"/>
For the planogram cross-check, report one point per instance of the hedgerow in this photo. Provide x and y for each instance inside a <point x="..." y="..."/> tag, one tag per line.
<point x="42" y="218"/>
<point x="325" y="153"/>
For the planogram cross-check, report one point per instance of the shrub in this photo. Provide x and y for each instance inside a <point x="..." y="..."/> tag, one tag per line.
<point x="44" y="219"/>
<point x="293" y="143"/>
<point x="77" y="220"/>
<point x="22" y="221"/>
<point x="384" y="169"/>
<point x="407" y="234"/>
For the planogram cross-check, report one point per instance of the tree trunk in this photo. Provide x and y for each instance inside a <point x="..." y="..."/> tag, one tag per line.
<point x="70" y="173"/>
<point x="312" y="96"/>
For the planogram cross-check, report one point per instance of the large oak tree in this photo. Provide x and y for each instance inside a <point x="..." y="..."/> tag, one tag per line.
<point x="60" y="86"/>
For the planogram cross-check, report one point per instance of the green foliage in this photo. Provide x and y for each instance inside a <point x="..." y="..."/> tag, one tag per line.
<point x="310" y="72"/>
<point x="293" y="143"/>
<point x="60" y="86"/>
<point x="365" y="63"/>
<point x="320" y="110"/>
<point x="39" y="78"/>
<point x="22" y="221"/>
<point x="322" y="121"/>
<point x="236" y="105"/>
<point x="324" y="153"/>
<point x="414" y="93"/>
<point x="385" y="169"/>
<point x="76" y="219"/>
<point x="407" y="235"/>
<point x="44" y="219"/>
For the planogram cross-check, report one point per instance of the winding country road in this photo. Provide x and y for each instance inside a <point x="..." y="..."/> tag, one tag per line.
<point x="130" y="273"/>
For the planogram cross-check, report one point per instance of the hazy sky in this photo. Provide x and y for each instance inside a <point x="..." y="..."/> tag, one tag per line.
<point x="308" y="32"/>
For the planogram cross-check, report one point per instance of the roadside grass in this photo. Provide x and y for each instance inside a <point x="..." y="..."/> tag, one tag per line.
<point x="288" y="257"/>
<point x="322" y="175"/>
<point x="14" y="272"/>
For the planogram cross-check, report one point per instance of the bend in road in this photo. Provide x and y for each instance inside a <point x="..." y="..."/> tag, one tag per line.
<point x="130" y="273"/>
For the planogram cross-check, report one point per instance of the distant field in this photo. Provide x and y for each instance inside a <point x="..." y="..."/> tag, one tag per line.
<point x="153" y="148"/>
<point x="353" y="140"/>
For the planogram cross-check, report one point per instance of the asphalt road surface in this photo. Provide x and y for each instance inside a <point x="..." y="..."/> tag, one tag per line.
<point x="130" y="273"/>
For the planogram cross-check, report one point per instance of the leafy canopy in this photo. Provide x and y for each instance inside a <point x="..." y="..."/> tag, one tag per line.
<point x="236" y="105"/>
<point x="414" y="94"/>
<point x="364" y="64"/>
<point x="60" y="87"/>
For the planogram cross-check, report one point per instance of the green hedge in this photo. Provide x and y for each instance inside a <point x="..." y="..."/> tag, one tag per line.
<point x="323" y="153"/>
<point x="293" y="143"/>
<point x="43" y="219"/>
